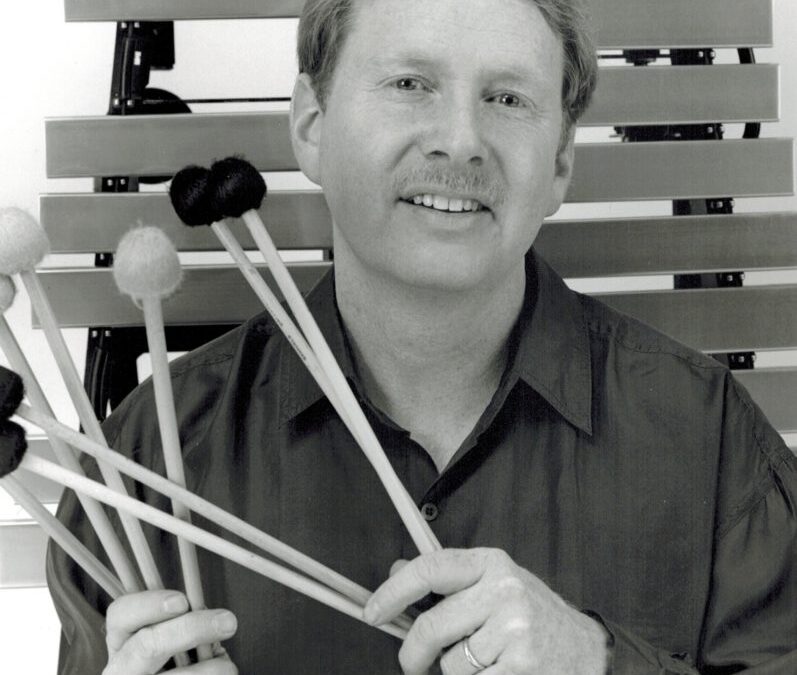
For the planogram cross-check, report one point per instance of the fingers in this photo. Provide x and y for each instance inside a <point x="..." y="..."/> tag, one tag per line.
<point x="484" y="648"/>
<point x="396" y="566"/>
<point x="149" y="648"/>
<point x="446" y="623"/>
<point x="455" y="661"/>
<point x="130" y="613"/>
<point x="444" y="572"/>
<point x="221" y="665"/>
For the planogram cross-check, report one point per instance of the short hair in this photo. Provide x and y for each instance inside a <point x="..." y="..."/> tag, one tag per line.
<point x="324" y="25"/>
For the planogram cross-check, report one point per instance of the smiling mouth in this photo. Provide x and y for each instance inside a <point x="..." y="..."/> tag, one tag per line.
<point x="446" y="205"/>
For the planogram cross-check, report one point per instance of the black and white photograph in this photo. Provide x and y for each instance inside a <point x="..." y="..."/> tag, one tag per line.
<point x="398" y="337"/>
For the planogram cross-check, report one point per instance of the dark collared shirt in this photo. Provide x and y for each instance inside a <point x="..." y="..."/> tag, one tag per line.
<point x="631" y="474"/>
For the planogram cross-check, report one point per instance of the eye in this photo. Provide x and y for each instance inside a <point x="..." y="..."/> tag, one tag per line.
<point x="507" y="99"/>
<point x="409" y="84"/>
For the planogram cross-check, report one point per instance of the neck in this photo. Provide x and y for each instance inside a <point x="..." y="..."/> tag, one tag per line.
<point x="431" y="359"/>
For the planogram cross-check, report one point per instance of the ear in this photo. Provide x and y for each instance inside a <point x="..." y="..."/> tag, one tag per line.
<point x="305" y="122"/>
<point x="563" y="172"/>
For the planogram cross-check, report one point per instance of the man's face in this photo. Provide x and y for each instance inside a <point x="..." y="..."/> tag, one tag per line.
<point x="437" y="150"/>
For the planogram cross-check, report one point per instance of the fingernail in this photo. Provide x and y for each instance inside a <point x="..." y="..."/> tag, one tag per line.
<point x="371" y="614"/>
<point x="174" y="603"/>
<point x="225" y="622"/>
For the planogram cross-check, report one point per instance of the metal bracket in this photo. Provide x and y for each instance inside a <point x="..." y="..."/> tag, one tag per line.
<point x="641" y="57"/>
<point x="112" y="354"/>
<point x="141" y="46"/>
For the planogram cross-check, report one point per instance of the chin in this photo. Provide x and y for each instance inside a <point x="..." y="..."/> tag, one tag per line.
<point x="443" y="273"/>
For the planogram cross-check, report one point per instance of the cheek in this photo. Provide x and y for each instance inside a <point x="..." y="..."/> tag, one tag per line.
<point x="346" y="153"/>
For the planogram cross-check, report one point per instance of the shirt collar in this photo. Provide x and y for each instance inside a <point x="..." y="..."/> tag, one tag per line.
<point x="298" y="388"/>
<point x="551" y="352"/>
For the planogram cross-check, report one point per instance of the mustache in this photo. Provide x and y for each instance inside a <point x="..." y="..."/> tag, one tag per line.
<point x="485" y="188"/>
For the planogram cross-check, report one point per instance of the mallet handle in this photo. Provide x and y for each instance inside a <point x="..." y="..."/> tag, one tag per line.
<point x="96" y="514"/>
<point x="280" y="316"/>
<point x="206" y="509"/>
<point x="200" y="537"/>
<point x="419" y="529"/>
<point x="172" y="451"/>
<point x="56" y="530"/>
<point x="88" y="419"/>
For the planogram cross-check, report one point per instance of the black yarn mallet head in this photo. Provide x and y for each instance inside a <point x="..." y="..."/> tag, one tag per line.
<point x="190" y="195"/>
<point x="12" y="436"/>
<point x="235" y="187"/>
<point x="228" y="189"/>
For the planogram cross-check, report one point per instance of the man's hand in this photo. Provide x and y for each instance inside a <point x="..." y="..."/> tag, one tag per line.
<point x="513" y="622"/>
<point x="144" y="630"/>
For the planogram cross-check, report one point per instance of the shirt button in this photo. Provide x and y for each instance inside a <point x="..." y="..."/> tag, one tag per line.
<point x="429" y="511"/>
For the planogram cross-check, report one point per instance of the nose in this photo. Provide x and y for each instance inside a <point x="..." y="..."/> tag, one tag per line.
<point x="455" y="133"/>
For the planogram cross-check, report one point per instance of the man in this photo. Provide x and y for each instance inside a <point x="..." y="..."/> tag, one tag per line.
<point x="609" y="499"/>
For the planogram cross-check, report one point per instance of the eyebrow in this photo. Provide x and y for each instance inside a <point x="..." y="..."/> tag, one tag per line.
<point x="380" y="61"/>
<point x="517" y="73"/>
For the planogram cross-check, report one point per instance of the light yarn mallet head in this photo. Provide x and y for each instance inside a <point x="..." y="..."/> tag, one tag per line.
<point x="8" y="291"/>
<point x="23" y="242"/>
<point x="146" y="264"/>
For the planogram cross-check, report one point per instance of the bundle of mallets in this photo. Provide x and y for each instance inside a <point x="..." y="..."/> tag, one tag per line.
<point x="147" y="268"/>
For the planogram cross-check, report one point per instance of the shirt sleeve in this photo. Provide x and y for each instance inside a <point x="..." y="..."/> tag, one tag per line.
<point x="79" y="601"/>
<point x="750" y="624"/>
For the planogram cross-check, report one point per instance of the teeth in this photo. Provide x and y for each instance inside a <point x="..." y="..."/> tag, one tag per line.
<point x="444" y="204"/>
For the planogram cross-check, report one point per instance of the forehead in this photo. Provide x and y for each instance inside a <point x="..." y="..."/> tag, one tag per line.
<point x="502" y="35"/>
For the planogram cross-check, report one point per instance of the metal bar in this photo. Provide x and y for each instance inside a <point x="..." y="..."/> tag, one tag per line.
<point x="85" y="223"/>
<point x="157" y="10"/>
<point x="775" y="391"/>
<point x="208" y="294"/>
<point x="617" y="23"/>
<point x="670" y="245"/>
<point x="163" y="144"/>
<point x="22" y="552"/>
<point x="682" y="170"/>
<point x="717" y="319"/>
<point x="682" y="23"/>
<point x="714" y="320"/>
<point x="160" y="145"/>
<point x="685" y="95"/>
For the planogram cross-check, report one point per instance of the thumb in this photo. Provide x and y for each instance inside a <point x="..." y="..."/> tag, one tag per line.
<point x="396" y="566"/>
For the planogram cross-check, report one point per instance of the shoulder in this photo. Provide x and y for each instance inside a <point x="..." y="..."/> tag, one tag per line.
<point x="632" y="336"/>
<point x="201" y="379"/>
<point x="690" y="392"/>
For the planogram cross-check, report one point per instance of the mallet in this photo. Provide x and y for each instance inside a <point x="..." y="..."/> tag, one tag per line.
<point x="24" y="244"/>
<point x="189" y="195"/>
<point x="12" y="445"/>
<point x="146" y="268"/>
<point x="208" y="510"/>
<point x="58" y="532"/>
<point x="96" y="514"/>
<point x="12" y="455"/>
<point x="235" y="189"/>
